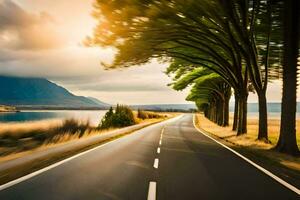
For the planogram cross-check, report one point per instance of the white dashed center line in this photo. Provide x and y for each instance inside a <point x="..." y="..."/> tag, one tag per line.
<point x="152" y="191"/>
<point x="155" y="165"/>
<point x="152" y="185"/>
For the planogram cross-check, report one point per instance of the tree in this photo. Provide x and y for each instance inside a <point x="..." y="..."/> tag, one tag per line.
<point x="209" y="88"/>
<point x="254" y="26"/>
<point x="121" y="117"/>
<point x="287" y="140"/>
<point x="231" y="38"/>
<point x="107" y="120"/>
<point x="212" y="89"/>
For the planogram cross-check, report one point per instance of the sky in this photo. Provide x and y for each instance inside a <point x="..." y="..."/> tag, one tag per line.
<point x="43" y="38"/>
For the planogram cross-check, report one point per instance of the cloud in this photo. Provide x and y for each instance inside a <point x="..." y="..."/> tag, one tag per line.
<point x="34" y="44"/>
<point x="142" y="78"/>
<point x="21" y="30"/>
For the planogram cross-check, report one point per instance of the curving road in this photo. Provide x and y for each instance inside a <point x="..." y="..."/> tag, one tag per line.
<point x="169" y="160"/>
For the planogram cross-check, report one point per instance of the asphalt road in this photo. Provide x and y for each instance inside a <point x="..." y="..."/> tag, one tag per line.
<point x="186" y="166"/>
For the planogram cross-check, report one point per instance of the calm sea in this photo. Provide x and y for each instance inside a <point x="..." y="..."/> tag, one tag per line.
<point x="25" y="116"/>
<point x="274" y="109"/>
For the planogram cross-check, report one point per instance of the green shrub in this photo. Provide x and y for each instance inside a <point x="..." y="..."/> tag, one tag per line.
<point x="121" y="117"/>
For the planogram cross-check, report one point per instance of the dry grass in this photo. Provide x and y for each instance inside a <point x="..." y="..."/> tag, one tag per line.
<point x="56" y="141"/>
<point x="249" y="140"/>
<point x="18" y="139"/>
<point x="17" y="128"/>
<point x="7" y="109"/>
<point x="158" y="115"/>
<point x="28" y="167"/>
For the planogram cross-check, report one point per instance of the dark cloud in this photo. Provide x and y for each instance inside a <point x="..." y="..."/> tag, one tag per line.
<point x="20" y="29"/>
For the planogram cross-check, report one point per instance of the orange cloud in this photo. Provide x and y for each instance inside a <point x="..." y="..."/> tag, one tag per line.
<point x="20" y="29"/>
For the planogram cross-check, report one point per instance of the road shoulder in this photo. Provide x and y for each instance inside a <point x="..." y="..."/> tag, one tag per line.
<point x="288" y="178"/>
<point x="31" y="163"/>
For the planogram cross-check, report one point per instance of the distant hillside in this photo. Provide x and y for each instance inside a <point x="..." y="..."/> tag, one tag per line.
<point x="165" y="107"/>
<point x="40" y="92"/>
<point x="98" y="101"/>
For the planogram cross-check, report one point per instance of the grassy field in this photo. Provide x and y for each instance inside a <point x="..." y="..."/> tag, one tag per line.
<point x="249" y="141"/>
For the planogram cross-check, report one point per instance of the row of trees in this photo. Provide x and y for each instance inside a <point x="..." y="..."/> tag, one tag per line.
<point x="210" y="92"/>
<point x="217" y="47"/>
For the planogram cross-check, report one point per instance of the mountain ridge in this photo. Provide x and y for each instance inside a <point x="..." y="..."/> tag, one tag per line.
<point x="20" y="91"/>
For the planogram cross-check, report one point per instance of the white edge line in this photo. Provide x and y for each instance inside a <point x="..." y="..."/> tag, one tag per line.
<point x="159" y="142"/>
<point x="33" y="174"/>
<point x="152" y="191"/>
<point x="26" y="177"/>
<point x="276" y="178"/>
<point x="156" y="161"/>
<point x="158" y="150"/>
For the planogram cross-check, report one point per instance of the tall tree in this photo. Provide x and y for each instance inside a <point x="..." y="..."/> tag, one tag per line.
<point x="287" y="140"/>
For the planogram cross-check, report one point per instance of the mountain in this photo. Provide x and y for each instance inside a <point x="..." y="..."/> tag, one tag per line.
<point x="39" y="92"/>
<point x="98" y="101"/>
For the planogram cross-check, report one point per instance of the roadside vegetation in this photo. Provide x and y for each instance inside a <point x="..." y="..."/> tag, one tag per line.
<point x="258" y="151"/>
<point x="141" y="114"/>
<point x="20" y="139"/>
<point x="218" y="48"/>
<point x="123" y="116"/>
<point x="8" y="109"/>
<point x="16" y="138"/>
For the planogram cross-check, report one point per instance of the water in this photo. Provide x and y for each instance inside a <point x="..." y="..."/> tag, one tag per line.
<point x="28" y="116"/>
<point x="274" y="110"/>
<point x="275" y="115"/>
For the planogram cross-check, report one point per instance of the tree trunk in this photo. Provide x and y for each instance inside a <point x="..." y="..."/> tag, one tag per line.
<point x="235" y="114"/>
<point x="242" y="121"/>
<point x="287" y="140"/>
<point x="220" y="112"/>
<point x="263" y="117"/>
<point x="226" y="112"/>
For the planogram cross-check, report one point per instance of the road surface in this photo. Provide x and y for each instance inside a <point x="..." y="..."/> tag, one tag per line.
<point x="178" y="161"/>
